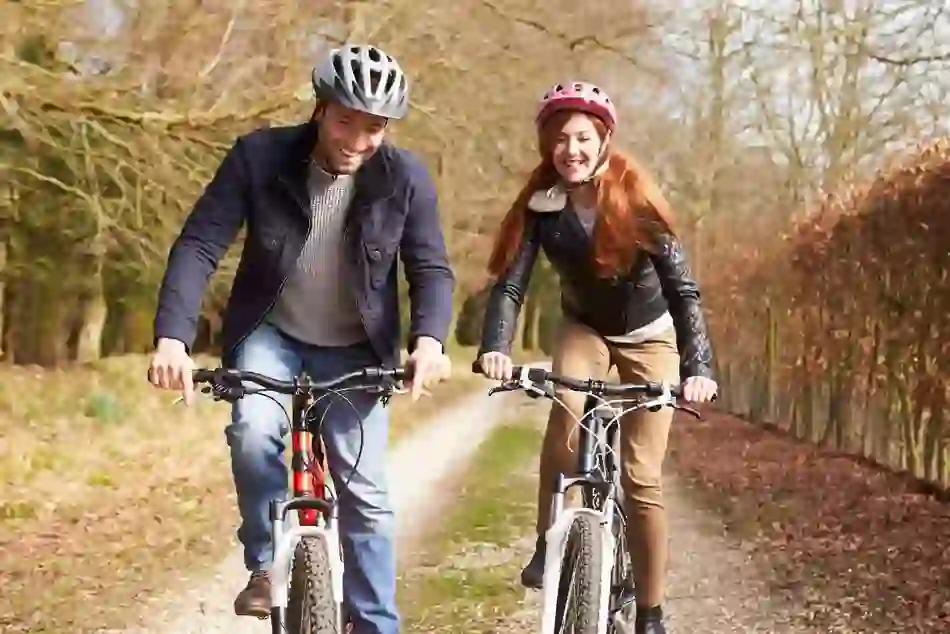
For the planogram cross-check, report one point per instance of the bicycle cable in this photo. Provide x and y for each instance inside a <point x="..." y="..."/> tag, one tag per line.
<point x="638" y="405"/>
<point x="306" y="414"/>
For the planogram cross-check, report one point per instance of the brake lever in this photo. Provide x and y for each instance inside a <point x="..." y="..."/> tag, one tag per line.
<point x="227" y="393"/>
<point x="506" y="387"/>
<point x="688" y="410"/>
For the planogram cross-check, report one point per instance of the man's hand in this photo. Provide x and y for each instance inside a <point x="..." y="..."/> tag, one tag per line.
<point x="699" y="389"/>
<point x="428" y="365"/>
<point x="171" y="368"/>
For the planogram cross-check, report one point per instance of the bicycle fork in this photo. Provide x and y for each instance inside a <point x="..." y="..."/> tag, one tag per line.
<point x="561" y="522"/>
<point x="285" y="542"/>
<point x="556" y="542"/>
<point x="309" y="500"/>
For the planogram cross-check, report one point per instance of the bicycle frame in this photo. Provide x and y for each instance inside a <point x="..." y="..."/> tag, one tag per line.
<point x="313" y="495"/>
<point x="562" y="520"/>
<point x="317" y="515"/>
<point x="536" y="383"/>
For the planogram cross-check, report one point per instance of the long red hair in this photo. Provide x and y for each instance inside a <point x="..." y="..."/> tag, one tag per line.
<point x="631" y="209"/>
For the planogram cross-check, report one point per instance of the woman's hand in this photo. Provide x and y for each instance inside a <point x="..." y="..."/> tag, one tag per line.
<point x="699" y="389"/>
<point x="496" y="365"/>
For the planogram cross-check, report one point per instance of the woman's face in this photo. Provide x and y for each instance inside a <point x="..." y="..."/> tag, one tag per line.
<point x="576" y="148"/>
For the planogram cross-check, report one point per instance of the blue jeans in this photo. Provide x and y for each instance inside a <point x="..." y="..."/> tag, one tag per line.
<point x="255" y="437"/>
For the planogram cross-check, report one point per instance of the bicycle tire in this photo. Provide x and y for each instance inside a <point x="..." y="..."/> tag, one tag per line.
<point x="310" y="605"/>
<point x="578" y="598"/>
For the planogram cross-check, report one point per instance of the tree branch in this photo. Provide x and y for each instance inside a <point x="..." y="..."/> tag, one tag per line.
<point x="909" y="61"/>
<point x="571" y="42"/>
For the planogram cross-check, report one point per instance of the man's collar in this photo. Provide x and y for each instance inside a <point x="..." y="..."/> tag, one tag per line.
<point x="375" y="177"/>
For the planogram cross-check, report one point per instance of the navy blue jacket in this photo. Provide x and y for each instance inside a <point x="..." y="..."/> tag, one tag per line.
<point x="262" y="182"/>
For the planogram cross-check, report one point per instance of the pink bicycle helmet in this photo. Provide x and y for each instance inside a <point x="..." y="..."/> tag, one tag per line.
<point x="580" y="96"/>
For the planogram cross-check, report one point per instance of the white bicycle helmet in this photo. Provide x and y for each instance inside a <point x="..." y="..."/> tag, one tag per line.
<point x="365" y="78"/>
<point x="580" y="96"/>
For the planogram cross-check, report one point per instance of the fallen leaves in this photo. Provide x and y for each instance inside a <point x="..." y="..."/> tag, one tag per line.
<point x="854" y="545"/>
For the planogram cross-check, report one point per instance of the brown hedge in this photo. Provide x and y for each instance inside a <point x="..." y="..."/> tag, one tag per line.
<point x="838" y="330"/>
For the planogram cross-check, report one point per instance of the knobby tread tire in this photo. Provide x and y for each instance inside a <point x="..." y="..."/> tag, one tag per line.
<point x="310" y="605"/>
<point x="582" y="553"/>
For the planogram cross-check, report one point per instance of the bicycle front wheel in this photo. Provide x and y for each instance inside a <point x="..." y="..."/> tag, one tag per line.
<point x="311" y="608"/>
<point x="578" y="596"/>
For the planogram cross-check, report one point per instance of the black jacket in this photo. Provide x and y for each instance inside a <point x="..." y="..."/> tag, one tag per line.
<point x="262" y="183"/>
<point x="655" y="283"/>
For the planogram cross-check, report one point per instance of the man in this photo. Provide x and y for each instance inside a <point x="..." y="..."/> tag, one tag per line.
<point x="327" y="205"/>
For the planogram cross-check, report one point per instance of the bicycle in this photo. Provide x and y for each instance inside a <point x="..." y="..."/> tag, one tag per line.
<point x="307" y="571"/>
<point x="587" y="570"/>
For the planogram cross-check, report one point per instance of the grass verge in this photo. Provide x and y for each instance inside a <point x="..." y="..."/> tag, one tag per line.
<point x="465" y="576"/>
<point x="106" y="488"/>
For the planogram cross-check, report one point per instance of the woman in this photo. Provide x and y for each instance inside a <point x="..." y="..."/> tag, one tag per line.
<point x="628" y="300"/>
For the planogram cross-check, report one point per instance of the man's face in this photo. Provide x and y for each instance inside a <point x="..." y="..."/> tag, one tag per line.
<point x="348" y="137"/>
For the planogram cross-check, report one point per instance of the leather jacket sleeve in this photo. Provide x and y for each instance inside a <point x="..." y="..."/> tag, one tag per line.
<point x="683" y="297"/>
<point x="507" y="294"/>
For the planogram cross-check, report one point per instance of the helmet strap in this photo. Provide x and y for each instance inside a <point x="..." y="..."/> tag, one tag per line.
<point x="599" y="168"/>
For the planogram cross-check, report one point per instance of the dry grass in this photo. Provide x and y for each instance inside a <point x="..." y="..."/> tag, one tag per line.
<point x="107" y="490"/>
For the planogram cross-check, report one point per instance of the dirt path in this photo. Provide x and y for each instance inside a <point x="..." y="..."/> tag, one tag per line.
<point x="416" y="467"/>
<point x="714" y="587"/>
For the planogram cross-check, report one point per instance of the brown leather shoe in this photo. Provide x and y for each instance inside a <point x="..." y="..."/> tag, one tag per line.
<point x="254" y="599"/>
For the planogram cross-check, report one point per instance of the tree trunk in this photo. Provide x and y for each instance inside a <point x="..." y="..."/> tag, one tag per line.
<point x="3" y="294"/>
<point x="871" y="419"/>
<point x="93" y="311"/>
<point x="41" y="319"/>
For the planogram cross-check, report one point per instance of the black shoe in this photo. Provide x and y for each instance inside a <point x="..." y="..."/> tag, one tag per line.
<point x="649" y="627"/>
<point x="649" y="621"/>
<point x="533" y="574"/>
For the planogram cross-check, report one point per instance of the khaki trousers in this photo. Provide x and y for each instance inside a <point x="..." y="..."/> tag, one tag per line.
<point x="582" y="353"/>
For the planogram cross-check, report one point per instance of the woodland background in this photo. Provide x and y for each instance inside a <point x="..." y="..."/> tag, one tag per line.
<point x="803" y="144"/>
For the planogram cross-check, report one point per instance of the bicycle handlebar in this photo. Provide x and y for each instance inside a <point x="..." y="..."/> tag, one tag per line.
<point x="538" y="377"/>
<point x="222" y="375"/>
<point x="228" y="384"/>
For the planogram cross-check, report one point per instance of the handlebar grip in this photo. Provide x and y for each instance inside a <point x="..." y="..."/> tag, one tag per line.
<point x="202" y="375"/>
<point x="402" y="373"/>
<point x="197" y="376"/>
<point x="478" y="369"/>
<point x="655" y="388"/>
